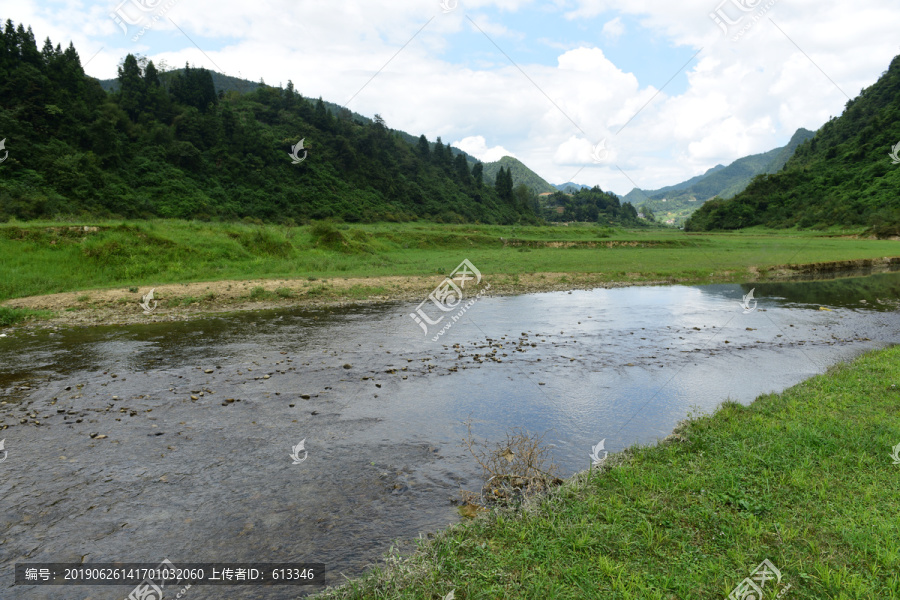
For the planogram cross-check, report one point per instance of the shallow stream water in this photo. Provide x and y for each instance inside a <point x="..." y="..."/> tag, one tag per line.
<point x="200" y="417"/>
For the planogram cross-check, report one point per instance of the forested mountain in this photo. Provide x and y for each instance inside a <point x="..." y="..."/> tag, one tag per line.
<point x="171" y="145"/>
<point x="520" y="174"/>
<point x="677" y="202"/>
<point x="842" y="176"/>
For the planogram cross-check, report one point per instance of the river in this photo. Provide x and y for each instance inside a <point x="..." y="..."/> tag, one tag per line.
<point x="200" y="417"/>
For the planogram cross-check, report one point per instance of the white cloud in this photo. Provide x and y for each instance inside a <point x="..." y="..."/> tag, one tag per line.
<point x="477" y="147"/>
<point x="613" y="29"/>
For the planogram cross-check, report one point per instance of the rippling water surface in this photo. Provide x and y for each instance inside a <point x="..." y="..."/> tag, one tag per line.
<point x="200" y="417"/>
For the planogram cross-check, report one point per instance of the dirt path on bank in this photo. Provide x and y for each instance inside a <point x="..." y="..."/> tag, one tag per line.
<point x="182" y="301"/>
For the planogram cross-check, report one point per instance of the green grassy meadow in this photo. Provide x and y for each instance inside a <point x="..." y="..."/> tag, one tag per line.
<point x="45" y="257"/>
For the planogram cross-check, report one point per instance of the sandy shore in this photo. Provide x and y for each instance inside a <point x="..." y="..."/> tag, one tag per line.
<point x="183" y="301"/>
<point x="120" y="306"/>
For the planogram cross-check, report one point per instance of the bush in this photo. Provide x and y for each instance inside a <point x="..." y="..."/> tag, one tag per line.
<point x="326" y="234"/>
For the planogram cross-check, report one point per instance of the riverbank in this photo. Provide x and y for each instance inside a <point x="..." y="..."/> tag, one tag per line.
<point x="64" y="274"/>
<point x="804" y="479"/>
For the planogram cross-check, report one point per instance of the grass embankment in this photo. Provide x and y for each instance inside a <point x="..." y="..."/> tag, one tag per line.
<point x="803" y="478"/>
<point x="43" y="258"/>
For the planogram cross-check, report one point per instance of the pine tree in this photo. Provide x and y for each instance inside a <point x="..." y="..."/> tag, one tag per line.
<point x="132" y="88"/>
<point x="478" y="173"/>
<point x="422" y="147"/>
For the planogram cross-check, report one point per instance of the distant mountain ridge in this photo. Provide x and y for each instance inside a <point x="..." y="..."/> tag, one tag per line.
<point x="677" y="202"/>
<point x="571" y="188"/>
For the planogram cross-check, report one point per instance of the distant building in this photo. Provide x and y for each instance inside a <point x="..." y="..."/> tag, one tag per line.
<point x="560" y="210"/>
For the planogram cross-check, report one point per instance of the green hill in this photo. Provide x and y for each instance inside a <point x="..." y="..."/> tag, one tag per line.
<point x="678" y="202"/>
<point x="520" y="174"/>
<point x="176" y="145"/>
<point x="570" y="187"/>
<point x="842" y="176"/>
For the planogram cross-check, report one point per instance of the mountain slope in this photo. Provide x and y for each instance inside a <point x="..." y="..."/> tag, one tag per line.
<point x="520" y="174"/>
<point x="842" y="176"/>
<point x="169" y="145"/>
<point x="678" y="201"/>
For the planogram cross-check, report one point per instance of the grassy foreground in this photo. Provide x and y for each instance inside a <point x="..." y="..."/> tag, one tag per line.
<point x="803" y="478"/>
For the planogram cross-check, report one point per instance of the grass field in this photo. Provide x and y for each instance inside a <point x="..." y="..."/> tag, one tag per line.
<point x="804" y="479"/>
<point x="42" y="258"/>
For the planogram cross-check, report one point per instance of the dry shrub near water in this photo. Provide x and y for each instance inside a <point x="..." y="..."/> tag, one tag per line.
<point x="513" y="469"/>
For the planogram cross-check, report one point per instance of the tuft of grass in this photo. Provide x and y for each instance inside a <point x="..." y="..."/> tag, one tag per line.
<point x="11" y="316"/>
<point x="285" y="292"/>
<point x="261" y="293"/>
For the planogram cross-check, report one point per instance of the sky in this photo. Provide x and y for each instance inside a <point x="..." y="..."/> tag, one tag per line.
<point x="615" y="93"/>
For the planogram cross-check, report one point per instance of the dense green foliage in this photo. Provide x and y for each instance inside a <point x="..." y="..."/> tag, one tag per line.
<point x="842" y="176"/>
<point x="167" y="144"/>
<point x="590" y="204"/>
<point x="677" y="202"/>
<point x="521" y="174"/>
